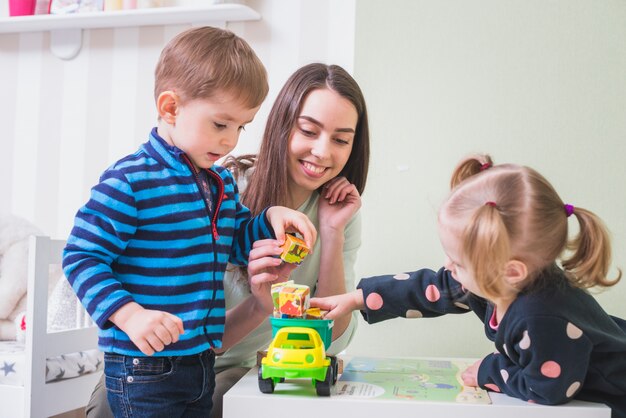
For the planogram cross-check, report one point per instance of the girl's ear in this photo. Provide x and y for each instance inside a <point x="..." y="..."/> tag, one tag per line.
<point x="167" y="106"/>
<point x="515" y="272"/>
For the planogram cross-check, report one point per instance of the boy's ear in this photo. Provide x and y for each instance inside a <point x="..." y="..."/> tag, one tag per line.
<point x="515" y="272"/>
<point x="167" y="106"/>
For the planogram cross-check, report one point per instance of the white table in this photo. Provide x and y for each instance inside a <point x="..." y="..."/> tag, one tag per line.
<point x="297" y="398"/>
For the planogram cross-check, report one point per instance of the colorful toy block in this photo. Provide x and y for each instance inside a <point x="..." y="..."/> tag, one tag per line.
<point x="294" y="250"/>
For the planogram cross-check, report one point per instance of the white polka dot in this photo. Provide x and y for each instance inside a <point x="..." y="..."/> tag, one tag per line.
<point x="505" y="375"/>
<point x="462" y="305"/>
<point x="572" y="389"/>
<point x="414" y="313"/>
<point x="525" y="342"/>
<point x="401" y="276"/>
<point x="573" y="331"/>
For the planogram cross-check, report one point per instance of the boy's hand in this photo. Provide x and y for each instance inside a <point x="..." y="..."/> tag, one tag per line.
<point x="470" y="375"/>
<point x="285" y="220"/>
<point x="265" y="269"/>
<point x="339" y="305"/>
<point x="149" y="330"/>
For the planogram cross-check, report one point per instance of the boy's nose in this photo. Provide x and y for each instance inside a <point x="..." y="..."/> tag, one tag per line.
<point x="230" y="139"/>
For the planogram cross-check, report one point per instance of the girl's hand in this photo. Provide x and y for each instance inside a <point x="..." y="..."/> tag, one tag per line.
<point x="339" y="201"/>
<point x="286" y="220"/>
<point x="265" y="269"/>
<point x="470" y="375"/>
<point x="339" y="305"/>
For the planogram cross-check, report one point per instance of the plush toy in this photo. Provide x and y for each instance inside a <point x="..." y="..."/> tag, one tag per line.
<point x="14" y="235"/>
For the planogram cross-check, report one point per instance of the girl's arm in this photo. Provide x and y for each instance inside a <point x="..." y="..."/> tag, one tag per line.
<point x="423" y="293"/>
<point x="543" y="359"/>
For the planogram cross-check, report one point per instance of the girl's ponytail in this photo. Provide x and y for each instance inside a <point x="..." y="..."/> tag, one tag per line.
<point x="487" y="246"/>
<point x="591" y="251"/>
<point x="470" y="167"/>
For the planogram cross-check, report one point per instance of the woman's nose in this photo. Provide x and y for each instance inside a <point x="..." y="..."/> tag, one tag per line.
<point x="320" y="148"/>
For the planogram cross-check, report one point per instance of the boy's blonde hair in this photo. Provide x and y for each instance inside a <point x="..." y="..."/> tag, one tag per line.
<point x="198" y="63"/>
<point x="513" y="212"/>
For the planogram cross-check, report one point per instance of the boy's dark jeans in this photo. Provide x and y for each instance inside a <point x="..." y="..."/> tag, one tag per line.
<point x="165" y="387"/>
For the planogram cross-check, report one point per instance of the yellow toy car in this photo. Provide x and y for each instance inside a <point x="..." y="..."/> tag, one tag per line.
<point x="297" y="352"/>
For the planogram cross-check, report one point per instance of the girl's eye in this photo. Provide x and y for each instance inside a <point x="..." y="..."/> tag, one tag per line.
<point x="342" y="141"/>
<point x="219" y="125"/>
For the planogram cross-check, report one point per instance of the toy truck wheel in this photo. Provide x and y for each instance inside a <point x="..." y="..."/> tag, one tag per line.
<point x="323" y="387"/>
<point x="265" y="385"/>
<point x="335" y="366"/>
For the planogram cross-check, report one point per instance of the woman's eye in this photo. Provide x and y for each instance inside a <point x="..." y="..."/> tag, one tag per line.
<point x="219" y="125"/>
<point x="307" y="132"/>
<point x="342" y="141"/>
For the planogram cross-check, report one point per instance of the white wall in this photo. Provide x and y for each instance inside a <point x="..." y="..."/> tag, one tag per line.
<point x="64" y="122"/>
<point x="541" y="83"/>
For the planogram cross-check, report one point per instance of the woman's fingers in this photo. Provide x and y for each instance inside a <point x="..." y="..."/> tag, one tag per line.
<point x="260" y="265"/>
<point x="338" y="190"/>
<point x="261" y="278"/>
<point x="268" y="248"/>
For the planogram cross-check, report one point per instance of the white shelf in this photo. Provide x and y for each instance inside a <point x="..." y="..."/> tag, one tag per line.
<point x="66" y="30"/>
<point x="129" y="18"/>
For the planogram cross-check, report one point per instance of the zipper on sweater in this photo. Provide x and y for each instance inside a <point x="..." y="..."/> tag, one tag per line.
<point x="220" y="195"/>
<point x="220" y="198"/>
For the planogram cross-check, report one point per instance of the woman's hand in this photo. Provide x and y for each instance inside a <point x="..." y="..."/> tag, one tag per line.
<point x="286" y="220"/>
<point x="339" y="305"/>
<point x="339" y="201"/>
<point x="470" y="375"/>
<point x="265" y="269"/>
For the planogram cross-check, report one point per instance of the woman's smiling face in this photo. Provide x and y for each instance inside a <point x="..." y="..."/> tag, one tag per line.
<point x="321" y="140"/>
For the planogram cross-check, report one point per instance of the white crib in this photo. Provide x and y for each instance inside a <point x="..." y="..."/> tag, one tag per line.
<point x="38" y="399"/>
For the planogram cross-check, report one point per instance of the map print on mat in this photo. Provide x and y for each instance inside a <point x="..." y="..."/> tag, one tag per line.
<point x="409" y="379"/>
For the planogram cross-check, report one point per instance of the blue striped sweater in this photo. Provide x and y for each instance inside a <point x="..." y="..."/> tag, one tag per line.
<point x="146" y="235"/>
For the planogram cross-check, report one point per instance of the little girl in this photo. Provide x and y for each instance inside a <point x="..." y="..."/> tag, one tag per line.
<point x="503" y="228"/>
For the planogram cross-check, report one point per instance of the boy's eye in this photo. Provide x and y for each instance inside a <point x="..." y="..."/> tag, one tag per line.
<point x="219" y="125"/>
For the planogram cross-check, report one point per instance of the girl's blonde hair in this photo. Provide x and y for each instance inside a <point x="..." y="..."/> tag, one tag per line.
<point x="513" y="212"/>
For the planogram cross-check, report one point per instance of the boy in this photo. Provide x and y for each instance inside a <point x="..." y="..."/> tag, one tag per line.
<point x="148" y="251"/>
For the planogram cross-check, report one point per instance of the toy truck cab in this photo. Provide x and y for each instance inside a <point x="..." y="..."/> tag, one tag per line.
<point x="299" y="351"/>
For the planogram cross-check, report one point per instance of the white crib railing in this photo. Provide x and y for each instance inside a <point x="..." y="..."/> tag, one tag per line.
<point x="38" y="399"/>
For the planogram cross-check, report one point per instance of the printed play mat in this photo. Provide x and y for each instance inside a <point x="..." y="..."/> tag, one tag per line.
<point x="409" y="379"/>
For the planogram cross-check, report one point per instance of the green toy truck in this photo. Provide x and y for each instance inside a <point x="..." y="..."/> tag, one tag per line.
<point x="298" y="350"/>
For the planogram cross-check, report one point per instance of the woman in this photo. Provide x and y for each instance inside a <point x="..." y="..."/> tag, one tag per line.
<point x="314" y="158"/>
